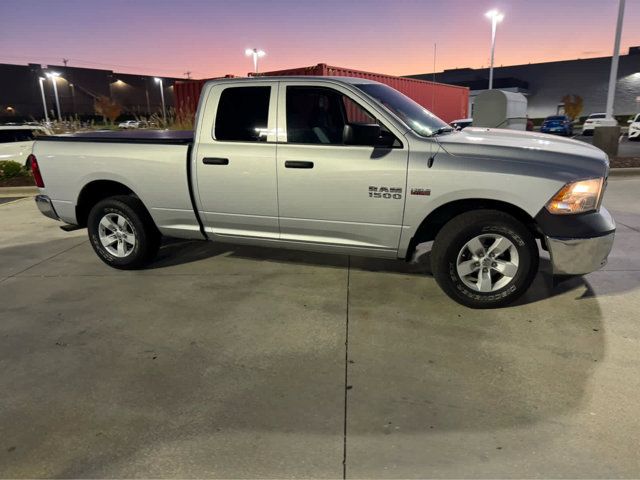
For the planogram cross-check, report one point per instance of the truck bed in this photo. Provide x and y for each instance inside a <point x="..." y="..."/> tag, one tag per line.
<point x="160" y="137"/>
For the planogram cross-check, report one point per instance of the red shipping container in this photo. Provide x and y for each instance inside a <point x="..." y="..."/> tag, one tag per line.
<point x="449" y="102"/>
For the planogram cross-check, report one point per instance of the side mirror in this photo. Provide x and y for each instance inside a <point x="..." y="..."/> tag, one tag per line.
<point x="629" y="121"/>
<point x="361" y="134"/>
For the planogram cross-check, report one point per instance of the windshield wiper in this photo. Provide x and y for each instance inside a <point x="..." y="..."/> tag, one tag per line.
<point x="442" y="130"/>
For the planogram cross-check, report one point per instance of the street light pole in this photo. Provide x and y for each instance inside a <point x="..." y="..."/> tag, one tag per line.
<point x="255" y="53"/>
<point x="613" y="75"/>
<point x="495" y="17"/>
<point x="54" y="76"/>
<point x="44" y="102"/>
<point x="164" y="111"/>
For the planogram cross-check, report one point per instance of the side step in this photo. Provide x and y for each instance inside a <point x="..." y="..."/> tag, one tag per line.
<point x="71" y="228"/>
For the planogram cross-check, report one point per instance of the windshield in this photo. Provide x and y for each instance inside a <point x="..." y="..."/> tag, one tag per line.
<point x="421" y="120"/>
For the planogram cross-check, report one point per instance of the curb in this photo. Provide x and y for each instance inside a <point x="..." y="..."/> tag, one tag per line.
<point x="18" y="191"/>
<point x="624" y="172"/>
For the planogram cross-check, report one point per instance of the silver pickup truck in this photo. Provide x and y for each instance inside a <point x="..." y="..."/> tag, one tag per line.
<point x="341" y="165"/>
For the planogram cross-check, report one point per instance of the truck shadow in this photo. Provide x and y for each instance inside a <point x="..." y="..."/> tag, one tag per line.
<point x="176" y="252"/>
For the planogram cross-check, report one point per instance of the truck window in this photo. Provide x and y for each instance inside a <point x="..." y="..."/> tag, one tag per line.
<point x="243" y="114"/>
<point x="317" y="115"/>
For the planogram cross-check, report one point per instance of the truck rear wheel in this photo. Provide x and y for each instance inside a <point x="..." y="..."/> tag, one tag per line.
<point x="484" y="259"/>
<point x="122" y="232"/>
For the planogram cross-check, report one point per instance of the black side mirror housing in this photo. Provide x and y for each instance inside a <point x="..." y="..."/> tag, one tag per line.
<point x="361" y="134"/>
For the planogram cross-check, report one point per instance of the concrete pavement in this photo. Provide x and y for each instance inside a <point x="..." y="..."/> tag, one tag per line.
<point x="225" y="361"/>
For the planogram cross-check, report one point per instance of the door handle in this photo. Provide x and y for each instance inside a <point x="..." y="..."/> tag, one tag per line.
<point x="215" y="161"/>
<point x="297" y="164"/>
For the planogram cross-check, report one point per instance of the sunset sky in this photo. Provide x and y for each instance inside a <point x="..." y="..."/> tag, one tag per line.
<point x="208" y="38"/>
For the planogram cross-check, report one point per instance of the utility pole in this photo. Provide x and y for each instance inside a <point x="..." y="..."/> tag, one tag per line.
<point x="188" y="75"/>
<point x="65" y="61"/>
<point x="613" y="75"/>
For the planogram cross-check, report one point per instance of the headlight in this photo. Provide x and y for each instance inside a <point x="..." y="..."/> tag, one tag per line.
<point x="577" y="197"/>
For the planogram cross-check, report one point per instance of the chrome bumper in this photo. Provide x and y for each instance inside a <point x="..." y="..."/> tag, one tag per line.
<point x="46" y="207"/>
<point x="577" y="256"/>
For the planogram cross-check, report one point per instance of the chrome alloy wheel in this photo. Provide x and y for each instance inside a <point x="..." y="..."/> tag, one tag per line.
<point x="116" y="235"/>
<point x="488" y="262"/>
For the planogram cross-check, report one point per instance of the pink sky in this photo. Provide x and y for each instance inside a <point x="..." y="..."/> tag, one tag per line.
<point x="208" y="38"/>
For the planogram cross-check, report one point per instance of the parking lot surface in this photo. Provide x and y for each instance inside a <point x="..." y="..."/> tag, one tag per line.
<point x="226" y="361"/>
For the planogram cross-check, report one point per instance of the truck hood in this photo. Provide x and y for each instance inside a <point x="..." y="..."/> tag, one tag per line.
<point x="538" y="154"/>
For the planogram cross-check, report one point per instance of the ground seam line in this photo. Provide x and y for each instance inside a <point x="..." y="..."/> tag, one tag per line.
<point x="346" y="374"/>
<point x="629" y="226"/>
<point x="42" y="261"/>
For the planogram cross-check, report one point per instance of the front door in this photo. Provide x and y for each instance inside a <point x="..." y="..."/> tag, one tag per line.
<point x="329" y="192"/>
<point x="236" y="161"/>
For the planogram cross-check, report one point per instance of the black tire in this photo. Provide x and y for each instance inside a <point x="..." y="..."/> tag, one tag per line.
<point x="147" y="236"/>
<point x="457" y="232"/>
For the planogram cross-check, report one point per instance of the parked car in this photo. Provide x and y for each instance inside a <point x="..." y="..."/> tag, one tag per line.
<point x="558" y="125"/>
<point x="341" y="165"/>
<point x="634" y="128"/>
<point x="16" y="141"/>
<point x="462" y="123"/>
<point x="129" y="124"/>
<point x="597" y="119"/>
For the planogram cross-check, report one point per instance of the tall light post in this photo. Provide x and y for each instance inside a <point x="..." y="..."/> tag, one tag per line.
<point x="54" y="77"/>
<point x="495" y="17"/>
<point x="164" y="110"/>
<point x="613" y="75"/>
<point x="44" y="102"/>
<point x="256" y="54"/>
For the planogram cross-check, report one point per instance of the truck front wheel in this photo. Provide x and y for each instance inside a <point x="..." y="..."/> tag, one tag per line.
<point x="484" y="259"/>
<point x="122" y="232"/>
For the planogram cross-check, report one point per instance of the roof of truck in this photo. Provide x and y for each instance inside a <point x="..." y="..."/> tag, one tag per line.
<point x="351" y="80"/>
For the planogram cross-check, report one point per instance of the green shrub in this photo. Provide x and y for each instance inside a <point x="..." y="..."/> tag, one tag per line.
<point x="10" y="169"/>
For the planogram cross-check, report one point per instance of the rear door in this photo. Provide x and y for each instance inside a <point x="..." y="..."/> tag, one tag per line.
<point x="235" y="171"/>
<point x="331" y="193"/>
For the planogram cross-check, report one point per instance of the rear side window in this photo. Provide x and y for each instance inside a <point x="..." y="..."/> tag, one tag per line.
<point x="23" y="135"/>
<point x="598" y="115"/>
<point x="243" y="114"/>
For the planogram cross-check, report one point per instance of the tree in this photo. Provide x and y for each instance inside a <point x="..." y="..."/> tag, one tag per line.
<point x="572" y="106"/>
<point x="106" y="107"/>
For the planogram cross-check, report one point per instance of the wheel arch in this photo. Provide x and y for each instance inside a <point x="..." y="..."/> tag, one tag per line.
<point x="435" y="220"/>
<point x="95" y="191"/>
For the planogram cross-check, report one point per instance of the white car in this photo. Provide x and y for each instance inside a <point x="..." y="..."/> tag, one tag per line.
<point x="16" y="141"/>
<point x="461" y="123"/>
<point x="129" y="124"/>
<point x="597" y="120"/>
<point x="634" y="128"/>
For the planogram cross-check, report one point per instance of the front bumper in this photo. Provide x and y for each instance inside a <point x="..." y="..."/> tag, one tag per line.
<point x="46" y="207"/>
<point x="578" y="256"/>
<point x="578" y="244"/>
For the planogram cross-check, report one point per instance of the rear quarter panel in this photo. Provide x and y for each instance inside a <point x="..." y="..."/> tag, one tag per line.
<point x="157" y="174"/>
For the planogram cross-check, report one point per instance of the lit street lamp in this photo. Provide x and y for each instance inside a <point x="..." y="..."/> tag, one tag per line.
<point x="256" y="54"/>
<point x="495" y="17"/>
<point x="44" y="102"/>
<point x="164" y="111"/>
<point x="54" y="76"/>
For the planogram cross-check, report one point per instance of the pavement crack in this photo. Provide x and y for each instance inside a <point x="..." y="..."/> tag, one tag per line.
<point x="347" y="387"/>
